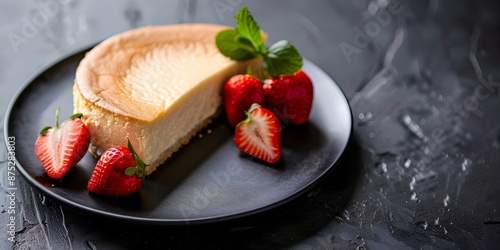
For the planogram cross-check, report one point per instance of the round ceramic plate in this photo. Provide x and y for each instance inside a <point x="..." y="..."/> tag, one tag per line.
<point x="207" y="180"/>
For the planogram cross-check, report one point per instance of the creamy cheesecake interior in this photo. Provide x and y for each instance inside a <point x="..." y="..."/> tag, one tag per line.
<point x="157" y="86"/>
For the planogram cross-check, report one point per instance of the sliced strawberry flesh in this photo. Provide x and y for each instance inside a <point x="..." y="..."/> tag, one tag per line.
<point x="60" y="148"/>
<point x="259" y="135"/>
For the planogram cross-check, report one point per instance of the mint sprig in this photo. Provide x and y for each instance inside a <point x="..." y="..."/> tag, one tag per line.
<point x="245" y="42"/>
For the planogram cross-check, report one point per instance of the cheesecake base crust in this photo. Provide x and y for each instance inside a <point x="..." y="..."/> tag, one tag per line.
<point x="96" y="152"/>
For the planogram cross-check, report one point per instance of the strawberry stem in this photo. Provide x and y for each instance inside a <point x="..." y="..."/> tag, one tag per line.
<point x="57" y="117"/>
<point x="250" y="70"/>
<point x="248" y="113"/>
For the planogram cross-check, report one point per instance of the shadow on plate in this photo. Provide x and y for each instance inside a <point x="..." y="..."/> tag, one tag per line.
<point x="277" y="228"/>
<point x="298" y="141"/>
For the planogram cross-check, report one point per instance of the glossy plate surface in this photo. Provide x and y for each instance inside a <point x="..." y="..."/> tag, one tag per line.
<point x="207" y="180"/>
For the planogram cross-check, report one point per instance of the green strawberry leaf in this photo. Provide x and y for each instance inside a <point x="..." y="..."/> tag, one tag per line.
<point x="77" y="115"/>
<point x="44" y="130"/>
<point x="130" y="147"/>
<point x="282" y="59"/>
<point x="139" y="168"/>
<point x="131" y="171"/>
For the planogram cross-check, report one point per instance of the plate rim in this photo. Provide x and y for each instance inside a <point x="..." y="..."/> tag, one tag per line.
<point x="149" y="220"/>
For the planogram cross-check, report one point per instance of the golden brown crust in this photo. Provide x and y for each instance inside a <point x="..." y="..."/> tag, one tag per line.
<point x="105" y="75"/>
<point x="168" y="153"/>
<point x="178" y="145"/>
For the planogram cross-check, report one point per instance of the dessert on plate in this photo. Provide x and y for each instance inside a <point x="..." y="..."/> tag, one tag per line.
<point x="156" y="86"/>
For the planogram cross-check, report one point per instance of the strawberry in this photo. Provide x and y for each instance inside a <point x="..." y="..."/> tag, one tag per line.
<point x="289" y="92"/>
<point x="290" y="97"/>
<point x="62" y="147"/>
<point x="259" y="134"/>
<point x="118" y="172"/>
<point x="240" y="92"/>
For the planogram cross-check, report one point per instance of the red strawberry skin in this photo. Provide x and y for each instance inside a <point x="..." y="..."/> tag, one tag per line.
<point x="240" y="92"/>
<point x="61" y="148"/>
<point x="259" y="135"/>
<point x="109" y="176"/>
<point x="290" y="97"/>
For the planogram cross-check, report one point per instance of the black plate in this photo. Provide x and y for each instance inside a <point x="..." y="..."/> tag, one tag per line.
<point x="208" y="180"/>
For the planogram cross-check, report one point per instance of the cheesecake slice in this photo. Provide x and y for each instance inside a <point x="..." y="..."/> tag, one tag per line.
<point x="157" y="86"/>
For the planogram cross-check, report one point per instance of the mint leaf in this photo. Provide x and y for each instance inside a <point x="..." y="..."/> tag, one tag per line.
<point x="282" y="59"/>
<point x="230" y="44"/>
<point x="245" y="42"/>
<point x="249" y="30"/>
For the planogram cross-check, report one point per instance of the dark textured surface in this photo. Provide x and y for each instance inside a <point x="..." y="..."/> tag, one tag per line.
<point x="420" y="172"/>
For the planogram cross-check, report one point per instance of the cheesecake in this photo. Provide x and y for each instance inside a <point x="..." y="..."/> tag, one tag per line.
<point x="157" y="86"/>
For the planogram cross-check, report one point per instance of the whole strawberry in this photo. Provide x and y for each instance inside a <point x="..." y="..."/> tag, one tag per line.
<point x="119" y="172"/>
<point x="240" y="92"/>
<point x="290" y="97"/>
<point x="61" y="147"/>
<point x="259" y="134"/>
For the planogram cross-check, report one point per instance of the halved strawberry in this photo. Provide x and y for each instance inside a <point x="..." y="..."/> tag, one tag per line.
<point x="259" y="135"/>
<point x="240" y="92"/>
<point x="119" y="172"/>
<point x="61" y="147"/>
